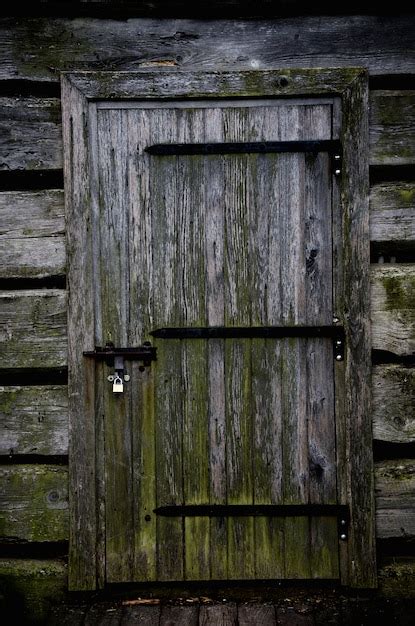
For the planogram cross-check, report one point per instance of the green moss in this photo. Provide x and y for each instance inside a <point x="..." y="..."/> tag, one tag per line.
<point x="400" y="293"/>
<point x="7" y="401"/>
<point x="407" y="196"/>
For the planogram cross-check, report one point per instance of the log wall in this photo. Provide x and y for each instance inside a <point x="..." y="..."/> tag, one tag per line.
<point x="32" y="240"/>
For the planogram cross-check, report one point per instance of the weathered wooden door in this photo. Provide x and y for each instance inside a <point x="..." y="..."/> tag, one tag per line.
<point x="216" y="237"/>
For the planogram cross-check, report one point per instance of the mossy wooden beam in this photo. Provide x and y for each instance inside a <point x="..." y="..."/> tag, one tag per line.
<point x="31" y="136"/>
<point x="393" y="308"/>
<point x="34" y="420"/>
<point x="32" y="329"/>
<point x="30" y="587"/>
<point x="37" y="49"/>
<point x="34" y="503"/>
<point x="393" y="401"/>
<point x="397" y="579"/>
<point x="32" y="234"/>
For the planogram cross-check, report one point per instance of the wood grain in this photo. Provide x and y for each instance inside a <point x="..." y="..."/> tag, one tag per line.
<point x="34" y="503"/>
<point x="32" y="234"/>
<point x="38" y="49"/>
<point x="393" y="308"/>
<point x="31" y="135"/>
<point x="220" y="614"/>
<point x="393" y="400"/>
<point x="392" y="125"/>
<point x="179" y="615"/>
<point x="395" y="498"/>
<point x="262" y="614"/>
<point x="392" y="212"/>
<point x="34" y="420"/>
<point x="33" y="329"/>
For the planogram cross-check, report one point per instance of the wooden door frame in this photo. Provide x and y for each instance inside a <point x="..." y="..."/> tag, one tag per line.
<point x="80" y="91"/>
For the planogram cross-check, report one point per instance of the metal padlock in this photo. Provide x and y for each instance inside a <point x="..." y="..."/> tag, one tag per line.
<point x="117" y="385"/>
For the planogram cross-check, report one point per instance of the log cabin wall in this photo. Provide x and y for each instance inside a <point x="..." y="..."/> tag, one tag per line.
<point x="35" y="47"/>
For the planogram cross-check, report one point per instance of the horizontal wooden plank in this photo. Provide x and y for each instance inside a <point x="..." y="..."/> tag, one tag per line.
<point x="30" y="133"/>
<point x="395" y="498"/>
<point x="392" y="212"/>
<point x="34" y="420"/>
<point x="30" y="587"/>
<point x="33" y="329"/>
<point x="393" y="402"/>
<point x="392" y="128"/>
<point x="393" y="308"/>
<point x="31" y="136"/>
<point x="38" y="49"/>
<point x="34" y="504"/>
<point x="32" y="234"/>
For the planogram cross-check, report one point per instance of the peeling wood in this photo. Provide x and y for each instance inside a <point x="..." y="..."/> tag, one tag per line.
<point x="393" y="308"/>
<point x="33" y="329"/>
<point x="34" y="420"/>
<point x="393" y="402"/>
<point x="34" y="505"/>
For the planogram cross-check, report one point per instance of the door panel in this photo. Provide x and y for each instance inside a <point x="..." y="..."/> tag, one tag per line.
<point x="233" y="240"/>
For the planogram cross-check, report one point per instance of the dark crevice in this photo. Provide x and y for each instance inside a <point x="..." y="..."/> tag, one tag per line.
<point x="42" y="549"/>
<point x="31" y="180"/>
<point x="29" y="88"/>
<point x="27" y="377"/>
<point x="50" y="282"/>
<point x="400" y="547"/>
<point x="392" y="252"/>
<point x="380" y="357"/>
<point x="385" y="450"/>
<point x="203" y="9"/>
<point x="34" y="459"/>
<point x="389" y="173"/>
<point x="392" y="81"/>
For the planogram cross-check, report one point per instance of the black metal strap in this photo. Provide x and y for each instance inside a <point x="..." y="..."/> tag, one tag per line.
<point x="332" y="146"/>
<point x="239" y="332"/>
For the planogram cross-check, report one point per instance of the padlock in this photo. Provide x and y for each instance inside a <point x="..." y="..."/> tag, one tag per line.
<point x="117" y="385"/>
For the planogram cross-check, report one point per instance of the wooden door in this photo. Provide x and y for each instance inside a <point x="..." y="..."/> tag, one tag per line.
<point x="223" y="458"/>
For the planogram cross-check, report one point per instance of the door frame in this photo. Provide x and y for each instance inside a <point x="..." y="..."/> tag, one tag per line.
<point x="80" y="92"/>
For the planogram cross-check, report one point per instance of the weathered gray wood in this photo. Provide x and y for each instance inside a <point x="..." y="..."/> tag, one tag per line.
<point x="32" y="137"/>
<point x="33" y="329"/>
<point x="34" y="420"/>
<point x="180" y="615"/>
<point x="32" y="242"/>
<point x="220" y="614"/>
<point x="392" y="212"/>
<point x="393" y="308"/>
<point x="103" y="613"/>
<point x="354" y="296"/>
<point x="36" y="584"/>
<point x="288" y="616"/>
<point x="392" y="128"/>
<point x="30" y="132"/>
<point x="34" y="503"/>
<point x="82" y="571"/>
<point x="395" y="498"/>
<point x="393" y="401"/>
<point x="38" y="49"/>
<point x="260" y="614"/>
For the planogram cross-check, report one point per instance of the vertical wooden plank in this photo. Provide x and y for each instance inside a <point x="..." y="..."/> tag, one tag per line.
<point x="215" y="309"/>
<point x="219" y="614"/>
<point x="82" y="544"/>
<point x="237" y="206"/>
<point x="115" y="282"/>
<point x="141" y="316"/>
<point x="260" y="614"/>
<point x="167" y="307"/>
<point x="355" y="194"/>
